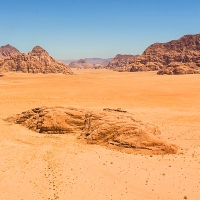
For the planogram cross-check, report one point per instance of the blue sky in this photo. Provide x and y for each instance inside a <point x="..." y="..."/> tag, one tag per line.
<point x="73" y="29"/>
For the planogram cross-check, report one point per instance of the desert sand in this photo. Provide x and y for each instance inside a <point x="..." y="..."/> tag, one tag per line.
<point x="48" y="167"/>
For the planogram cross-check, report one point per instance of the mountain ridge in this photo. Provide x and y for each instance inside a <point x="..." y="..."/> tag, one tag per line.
<point x="36" y="61"/>
<point x="158" y="56"/>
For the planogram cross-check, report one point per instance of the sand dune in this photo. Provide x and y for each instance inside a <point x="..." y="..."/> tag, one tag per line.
<point x="40" y="166"/>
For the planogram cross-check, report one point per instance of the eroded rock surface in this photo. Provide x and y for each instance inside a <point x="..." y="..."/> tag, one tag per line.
<point x="36" y="61"/>
<point x="177" y="68"/>
<point x="108" y="127"/>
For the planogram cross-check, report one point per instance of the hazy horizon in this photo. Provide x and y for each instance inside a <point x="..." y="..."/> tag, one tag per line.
<point x="70" y="30"/>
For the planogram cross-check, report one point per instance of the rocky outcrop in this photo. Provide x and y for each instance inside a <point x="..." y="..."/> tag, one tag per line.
<point x="81" y="64"/>
<point x="177" y="68"/>
<point x="110" y="127"/>
<point x="36" y="61"/>
<point x="121" y="62"/>
<point x="185" y="50"/>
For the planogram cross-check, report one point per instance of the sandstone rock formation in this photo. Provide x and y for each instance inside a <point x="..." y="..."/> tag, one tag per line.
<point x="121" y="62"/>
<point x="159" y="55"/>
<point x="176" y="68"/>
<point x="108" y="127"/>
<point x="37" y="61"/>
<point x="7" y="51"/>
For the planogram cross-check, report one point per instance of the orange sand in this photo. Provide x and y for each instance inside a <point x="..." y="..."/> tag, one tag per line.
<point x="43" y="167"/>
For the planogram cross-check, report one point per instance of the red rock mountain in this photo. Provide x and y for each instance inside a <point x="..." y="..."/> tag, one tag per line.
<point x="37" y="61"/>
<point x="160" y="56"/>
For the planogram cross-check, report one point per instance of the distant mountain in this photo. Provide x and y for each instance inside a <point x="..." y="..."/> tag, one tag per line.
<point x="68" y="61"/>
<point x="119" y="62"/>
<point x="90" y="63"/>
<point x="36" y="61"/>
<point x="97" y="61"/>
<point x="81" y="64"/>
<point x="183" y="55"/>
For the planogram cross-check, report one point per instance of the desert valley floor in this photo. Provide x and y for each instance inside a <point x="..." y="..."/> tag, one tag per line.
<point x="48" y="167"/>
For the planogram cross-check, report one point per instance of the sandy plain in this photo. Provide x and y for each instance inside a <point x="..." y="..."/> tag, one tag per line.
<point x="36" y="166"/>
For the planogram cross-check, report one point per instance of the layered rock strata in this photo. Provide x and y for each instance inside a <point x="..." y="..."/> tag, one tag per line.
<point x="109" y="127"/>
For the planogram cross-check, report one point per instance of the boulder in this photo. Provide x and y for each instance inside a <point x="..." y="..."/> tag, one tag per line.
<point x="110" y="127"/>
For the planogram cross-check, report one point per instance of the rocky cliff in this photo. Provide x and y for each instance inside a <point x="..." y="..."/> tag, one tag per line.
<point x="36" y="61"/>
<point x="158" y="56"/>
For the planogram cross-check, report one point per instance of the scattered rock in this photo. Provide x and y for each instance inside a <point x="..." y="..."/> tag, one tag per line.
<point x="108" y="127"/>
